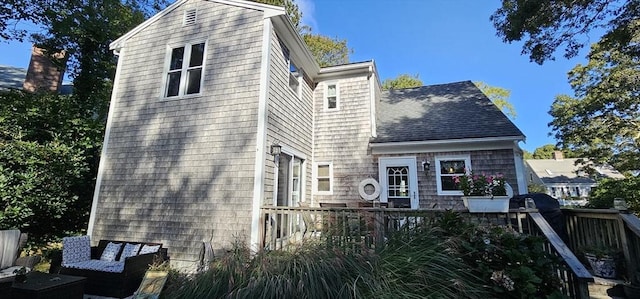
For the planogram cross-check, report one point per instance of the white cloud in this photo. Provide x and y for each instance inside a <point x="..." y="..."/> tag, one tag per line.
<point x="307" y="8"/>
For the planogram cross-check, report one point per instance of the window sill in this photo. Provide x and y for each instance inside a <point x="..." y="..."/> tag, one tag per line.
<point x="323" y="193"/>
<point x="183" y="97"/>
<point x="450" y="193"/>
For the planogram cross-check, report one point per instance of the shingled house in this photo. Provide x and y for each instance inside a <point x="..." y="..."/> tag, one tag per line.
<point x="219" y="108"/>
<point x="564" y="179"/>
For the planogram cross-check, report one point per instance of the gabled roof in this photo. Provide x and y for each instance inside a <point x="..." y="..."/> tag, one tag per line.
<point x="12" y="77"/>
<point x="441" y="112"/>
<point x="554" y="171"/>
<point x="299" y="51"/>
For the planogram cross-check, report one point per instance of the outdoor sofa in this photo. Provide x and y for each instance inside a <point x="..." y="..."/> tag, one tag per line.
<point x="113" y="268"/>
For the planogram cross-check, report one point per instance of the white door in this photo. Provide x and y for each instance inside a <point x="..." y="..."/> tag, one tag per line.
<point x="288" y="191"/>
<point x="399" y="181"/>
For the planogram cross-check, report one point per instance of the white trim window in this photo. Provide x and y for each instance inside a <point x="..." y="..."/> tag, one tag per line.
<point x="448" y="167"/>
<point x="323" y="178"/>
<point x="294" y="72"/>
<point x="332" y="96"/>
<point x="184" y="69"/>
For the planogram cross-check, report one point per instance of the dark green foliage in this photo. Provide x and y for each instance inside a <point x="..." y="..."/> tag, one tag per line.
<point x="511" y="264"/>
<point x="607" y="190"/>
<point x="602" y="121"/>
<point x="547" y="25"/>
<point x="48" y="160"/>
<point x="444" y="258"/>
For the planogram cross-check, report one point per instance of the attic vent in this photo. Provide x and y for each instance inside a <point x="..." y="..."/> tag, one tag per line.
<point x="190" y="17"/>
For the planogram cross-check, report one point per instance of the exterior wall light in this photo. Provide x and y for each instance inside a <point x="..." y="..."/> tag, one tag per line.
<point x="426" y="165"/>
<point x="276" y="150"/>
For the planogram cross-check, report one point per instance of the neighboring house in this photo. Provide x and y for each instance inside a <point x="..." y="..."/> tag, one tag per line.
<point x="218" y="109"/>
<point x="45" y="73"/>
<point x="563" y="178"/>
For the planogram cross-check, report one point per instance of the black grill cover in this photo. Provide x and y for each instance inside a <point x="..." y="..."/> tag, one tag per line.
<point x="548" y="207"/>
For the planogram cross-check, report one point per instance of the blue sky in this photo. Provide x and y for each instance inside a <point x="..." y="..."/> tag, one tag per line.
<point x="440" y="40"/>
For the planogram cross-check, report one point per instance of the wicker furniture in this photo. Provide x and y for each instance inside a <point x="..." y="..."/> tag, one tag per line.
<point x="118" y="282"/>
<point x="49" y="286"/>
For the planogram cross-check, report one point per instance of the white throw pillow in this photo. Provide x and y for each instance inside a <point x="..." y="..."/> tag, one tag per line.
<point x="149" y="249"/>
<point x="110" y="252"/>
<point x="129" y="250"/>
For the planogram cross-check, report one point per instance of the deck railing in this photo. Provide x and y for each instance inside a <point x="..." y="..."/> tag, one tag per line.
<point x="575" y="277"/>
<point x="357" y="229"/>
<point x="605" y="227"/>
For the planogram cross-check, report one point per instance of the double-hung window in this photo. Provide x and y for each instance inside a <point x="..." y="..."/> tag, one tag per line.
<point x="331" y="100"/>
<point x="184" y="74"/>
<point x="449" y="167"/>
<point x="323" y="172"/>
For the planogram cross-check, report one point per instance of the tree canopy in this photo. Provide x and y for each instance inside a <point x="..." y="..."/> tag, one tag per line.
<point x="326" y="50"/>
<point x="499" y="96"/>
<point x="547" y="25"/>
<point x="602" y="121"/>
<point x="50" y="144"/>
<point x="402" y="81"/>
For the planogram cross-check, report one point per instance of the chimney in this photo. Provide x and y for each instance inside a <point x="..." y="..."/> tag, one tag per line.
<point x="46" y="71"/>
<point x="557" y="155"/>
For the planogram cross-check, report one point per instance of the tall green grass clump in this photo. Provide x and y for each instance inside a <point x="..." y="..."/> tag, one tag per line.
<point x="442" y="258"/>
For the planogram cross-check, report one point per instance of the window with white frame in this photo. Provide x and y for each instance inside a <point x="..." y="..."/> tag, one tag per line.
<point x="323" y="174"/>
<point x="331" y="100"/>
<point x="294" y="72"/>
<point x="449" y="167"/>
<point x="184" y="72"/>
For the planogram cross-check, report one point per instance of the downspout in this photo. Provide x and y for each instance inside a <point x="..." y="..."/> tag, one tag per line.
<point x="372" y="104"/>
<point x="105" y="143"/>
<point x="520" y="169"/>
<point x="261" y="136"/>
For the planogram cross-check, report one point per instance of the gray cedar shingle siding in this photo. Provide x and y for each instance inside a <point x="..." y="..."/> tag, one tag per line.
<point x="438" y="112"/>
<point x="489" y="161"/>
<point x="167" y="176"/>
<point x="289" y="118"/>
<point x="342" y="137"/>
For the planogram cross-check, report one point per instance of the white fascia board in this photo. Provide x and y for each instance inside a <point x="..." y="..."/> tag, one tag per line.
<point x="332" y="72"/>
<point x="300" y="53"/>
<point x="120" y="42"/>
<point x="447" y="145"/>
<point x="269" y="11"/>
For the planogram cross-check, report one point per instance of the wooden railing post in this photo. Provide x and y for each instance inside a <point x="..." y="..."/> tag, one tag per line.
<point x="625" y="247"/>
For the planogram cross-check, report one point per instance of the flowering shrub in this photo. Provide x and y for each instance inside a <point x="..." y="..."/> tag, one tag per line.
<point x="509" y="263"/>
<point x="481" y="184"/>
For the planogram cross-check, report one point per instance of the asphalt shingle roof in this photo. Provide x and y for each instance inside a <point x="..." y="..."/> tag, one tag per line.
<point x="439" y="112"/>
<point x="552" y="171"/>
<point x="12" y="77"/>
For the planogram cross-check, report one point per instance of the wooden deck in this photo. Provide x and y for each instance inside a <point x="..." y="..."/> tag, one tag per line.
<point x="356" y="229"/>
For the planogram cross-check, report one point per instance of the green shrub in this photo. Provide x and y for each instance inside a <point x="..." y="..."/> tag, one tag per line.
<point x="602" y="196"/>
<point x="510" y="264"/>
<point x="447" y="258"/>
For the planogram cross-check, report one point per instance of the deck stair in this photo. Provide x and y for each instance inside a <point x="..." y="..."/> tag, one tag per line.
<point x="603" y="288"/>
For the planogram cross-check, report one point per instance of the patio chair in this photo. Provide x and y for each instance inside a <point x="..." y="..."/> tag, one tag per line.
<point x="11" y="242"/>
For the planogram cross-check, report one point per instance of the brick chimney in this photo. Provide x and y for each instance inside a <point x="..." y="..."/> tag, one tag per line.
<point x="46" y="71"/>
<point x="557" y="155"/>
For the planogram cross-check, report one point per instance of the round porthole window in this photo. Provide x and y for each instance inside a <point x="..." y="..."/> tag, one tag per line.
<point x="369" y="189"/>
